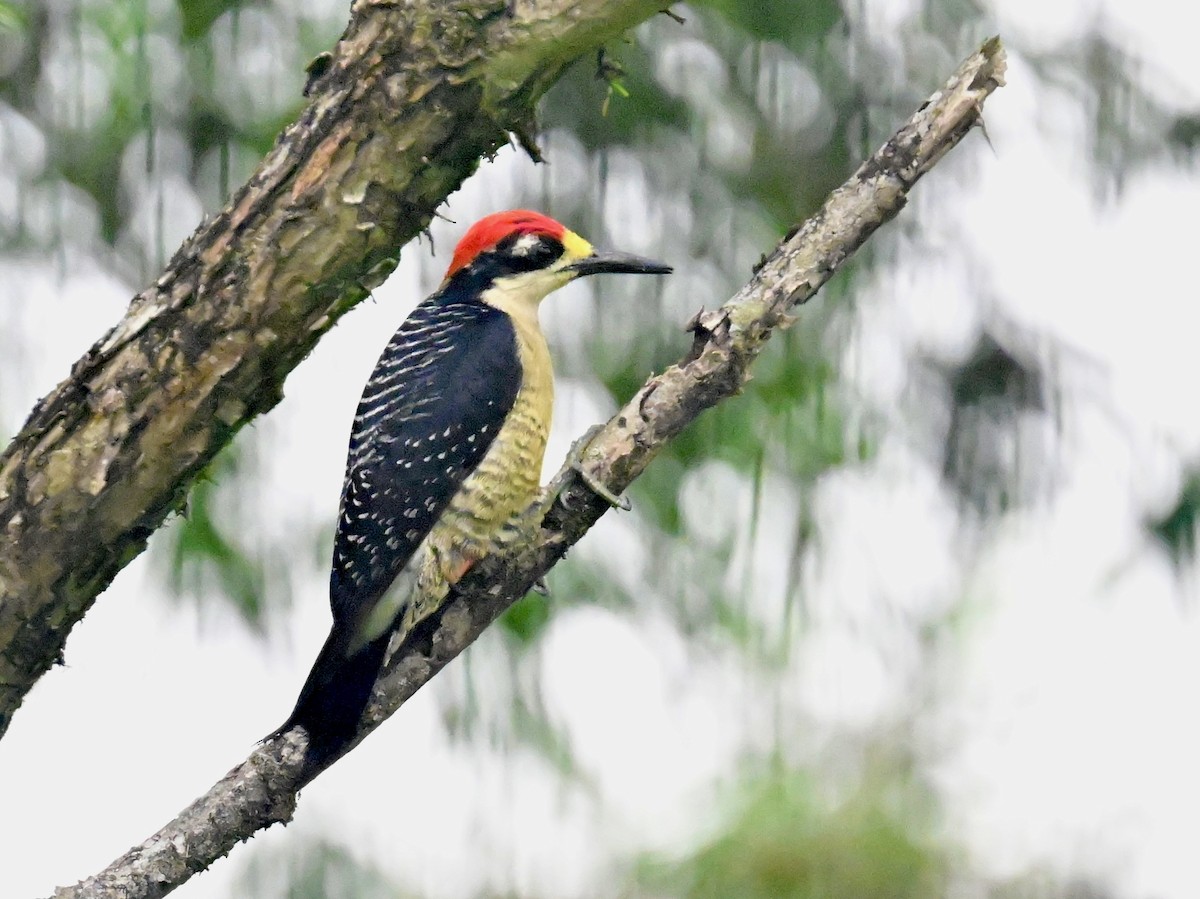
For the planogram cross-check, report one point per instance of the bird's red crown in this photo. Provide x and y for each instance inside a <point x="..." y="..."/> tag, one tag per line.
<point x="491" y="229"/>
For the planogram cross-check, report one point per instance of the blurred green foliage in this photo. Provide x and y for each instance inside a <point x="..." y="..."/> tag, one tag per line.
<point x="198" y="16"/>
<point x="12" y="18"/>
<point x="993" y="394"/>
<point x="795" y="24"/>
<point x="784" y="843"/>
<point x="1129" y="128"/>
<point x="527" y="618"/>
<point x="207" y="553"/>
<point x="1175" y="529"/>
<point x="312" y="869"/>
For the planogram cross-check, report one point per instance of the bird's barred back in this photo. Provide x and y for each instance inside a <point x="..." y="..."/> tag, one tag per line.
<point x="436" y="402"/>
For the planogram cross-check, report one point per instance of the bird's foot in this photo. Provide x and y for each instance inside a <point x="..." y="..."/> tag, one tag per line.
<point x="575" y="463"/>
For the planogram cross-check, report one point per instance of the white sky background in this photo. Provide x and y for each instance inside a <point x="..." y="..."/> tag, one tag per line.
<point x="1066" y="732"/>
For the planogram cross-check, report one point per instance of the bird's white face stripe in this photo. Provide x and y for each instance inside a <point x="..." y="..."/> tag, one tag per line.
<point x="524" y="244"/>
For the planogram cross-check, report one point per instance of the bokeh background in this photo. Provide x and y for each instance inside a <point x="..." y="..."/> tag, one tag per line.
<point x="914" y="616"/>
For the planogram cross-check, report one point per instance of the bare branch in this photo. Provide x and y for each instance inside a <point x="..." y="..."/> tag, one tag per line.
<point x="398" y="115"/>
<point x="262" y="789"/>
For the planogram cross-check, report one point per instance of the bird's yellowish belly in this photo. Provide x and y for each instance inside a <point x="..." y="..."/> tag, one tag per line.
<point x="485" y="512"/>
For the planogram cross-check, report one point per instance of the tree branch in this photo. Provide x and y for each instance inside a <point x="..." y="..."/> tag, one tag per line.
<point x="262" y="790"/>
<point x="411" y="98"/>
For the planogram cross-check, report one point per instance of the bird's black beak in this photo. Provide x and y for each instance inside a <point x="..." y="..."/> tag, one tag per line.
<point x="602" y="262"/>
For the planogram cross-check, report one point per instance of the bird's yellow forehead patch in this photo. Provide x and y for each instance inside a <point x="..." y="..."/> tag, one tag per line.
<point x="575" y="246"/>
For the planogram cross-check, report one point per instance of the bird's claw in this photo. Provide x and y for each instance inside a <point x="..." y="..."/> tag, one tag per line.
<point x="540" y="587"/>
<point x="617" y="502"/>
<point x="575" y="463"/>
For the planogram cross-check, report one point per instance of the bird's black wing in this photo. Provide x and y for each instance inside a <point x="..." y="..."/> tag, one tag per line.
<point x="437" y="398"/>
<point x="436" y="401"/>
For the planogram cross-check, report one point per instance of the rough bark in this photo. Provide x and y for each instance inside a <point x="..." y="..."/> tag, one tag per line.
<point x="412" y="97"/>
<point x="262" y="789"/>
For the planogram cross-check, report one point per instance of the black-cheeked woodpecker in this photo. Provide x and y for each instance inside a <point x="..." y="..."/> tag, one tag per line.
<point x="445" y="453"/>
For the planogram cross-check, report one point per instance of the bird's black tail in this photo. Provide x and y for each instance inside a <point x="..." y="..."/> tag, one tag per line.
<point x="333" y="699"/>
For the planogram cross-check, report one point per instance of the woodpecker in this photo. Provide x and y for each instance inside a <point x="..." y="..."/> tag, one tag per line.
<point x="445" y="452"/>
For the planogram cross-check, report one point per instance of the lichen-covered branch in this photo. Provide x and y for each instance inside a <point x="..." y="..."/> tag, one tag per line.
<point x="262" y="789"/>
<point x="412" y="97"/>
